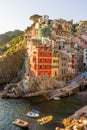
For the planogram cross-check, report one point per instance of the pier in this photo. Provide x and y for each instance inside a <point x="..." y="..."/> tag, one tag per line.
<point x="77" y="114"/>
<point x="76" y="86"/>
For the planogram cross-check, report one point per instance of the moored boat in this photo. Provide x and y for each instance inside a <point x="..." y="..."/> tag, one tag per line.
<point x="33" y="113"/>
<point x="57" y="98"/>
<point x="20" y="123"/>
<point x="45" y="120"/>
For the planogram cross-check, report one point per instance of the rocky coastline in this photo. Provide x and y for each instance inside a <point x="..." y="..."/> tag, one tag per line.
<point x="44" y="86"/>
<point x="36" y="85"/>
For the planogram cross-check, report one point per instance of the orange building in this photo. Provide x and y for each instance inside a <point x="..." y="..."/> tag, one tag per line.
<point x="40" y="60"/>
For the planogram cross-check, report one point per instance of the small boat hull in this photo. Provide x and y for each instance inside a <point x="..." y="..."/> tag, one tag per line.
<point x="45" y="120"/>
<point x="56" y="98"/>
<point x="31" y="114"/>
<point x="20" y="123"/>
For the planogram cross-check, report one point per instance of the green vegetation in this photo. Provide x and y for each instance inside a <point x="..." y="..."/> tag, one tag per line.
<point x="6" y="37"/>
<point x="12" y="46"/>
<point x="30" y="28"/>
<point x="35" y="17"/>
<point x="15" y="43"/>
<point x="74" y="30"/>
<point x="44" y="32"/>
<point x="10" y="41"/>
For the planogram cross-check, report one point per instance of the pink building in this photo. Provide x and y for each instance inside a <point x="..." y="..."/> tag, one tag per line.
<point x="72" y="64"/>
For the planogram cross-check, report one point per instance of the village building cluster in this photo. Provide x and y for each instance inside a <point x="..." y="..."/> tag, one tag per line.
<point x="53" y="49"/>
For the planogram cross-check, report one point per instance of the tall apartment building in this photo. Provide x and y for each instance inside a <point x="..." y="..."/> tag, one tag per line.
<point x="85" y="57"/>
<point x="63" y="64"/>
<point x="40" y="58"/>
<point x="72" y="63"/>
<point x="55" y="63"/>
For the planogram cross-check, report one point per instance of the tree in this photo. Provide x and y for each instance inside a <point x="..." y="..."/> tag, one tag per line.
<point x="35" y="17"/>
<point x="74" y="30"/>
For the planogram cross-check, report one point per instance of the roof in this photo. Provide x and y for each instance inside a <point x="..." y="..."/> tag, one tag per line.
<point x="84" y="37"/>
<point x="76" y="40"/>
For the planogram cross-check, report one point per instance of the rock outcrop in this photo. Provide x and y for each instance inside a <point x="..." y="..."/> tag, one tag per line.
<point x="36" y="84"/>
<point x="44" y="83"/>
<point x="11" y="65"/>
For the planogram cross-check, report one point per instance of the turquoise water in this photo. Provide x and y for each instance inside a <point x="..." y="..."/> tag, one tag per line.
<point x="10" y="109"/>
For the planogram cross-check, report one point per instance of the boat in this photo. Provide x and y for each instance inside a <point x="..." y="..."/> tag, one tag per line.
<point x="45" y="120"/>
<point x="20" y="123"/>
<point x="33" y="113"/>
<point x="57" y="98"/>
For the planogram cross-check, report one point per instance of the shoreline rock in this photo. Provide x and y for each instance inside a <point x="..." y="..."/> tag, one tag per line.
<point x="36" y="85"/>
<point x="40" y="86"/>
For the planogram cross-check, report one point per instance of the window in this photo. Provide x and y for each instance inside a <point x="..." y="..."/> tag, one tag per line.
<point x="55" y="73"/>
<point x="40" y="60"/>
<point x="45" y="53"/>
<point x="62" y="71"/>
<point x="45" y="60"/>
<point x="40" y="66"/>
<point x="72" y="61"/>
<point x="73" y="66"/>
<point x="50" y="53"/>
<point x="59" y="47"/>
<point x="40" y="53"/>
<point x="49" y="66"/>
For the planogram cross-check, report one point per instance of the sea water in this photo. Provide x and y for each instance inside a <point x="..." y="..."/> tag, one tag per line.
<point x="11" y="109"/>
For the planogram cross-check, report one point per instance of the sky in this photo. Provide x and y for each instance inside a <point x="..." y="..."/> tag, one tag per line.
<point x="15" y="14"/>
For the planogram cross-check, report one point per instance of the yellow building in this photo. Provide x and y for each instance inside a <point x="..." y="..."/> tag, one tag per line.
<point x="66" y="25"/>
<point x="55" y="64"/>
<point x="81" y="28"/>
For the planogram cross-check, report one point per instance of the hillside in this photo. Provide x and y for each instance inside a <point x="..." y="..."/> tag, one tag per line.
<point x="11" y="46"/>
<point x="11" y="59"/>
<point x="11" y="66"/>
<point x="6" y="37"/>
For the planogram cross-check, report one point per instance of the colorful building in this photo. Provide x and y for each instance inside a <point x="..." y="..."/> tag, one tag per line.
<point x="40" y="58"/>
<point x="51" y="49"/>
<point x="74" y="63"/>
<point x="62" y="24"/>
<point x="55" y="63"/>
<point x="63" y="64"/>
<point x="85" y="57"/>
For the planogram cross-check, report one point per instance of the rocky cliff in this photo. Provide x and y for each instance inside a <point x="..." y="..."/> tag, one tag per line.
<point x="11" y="65"/>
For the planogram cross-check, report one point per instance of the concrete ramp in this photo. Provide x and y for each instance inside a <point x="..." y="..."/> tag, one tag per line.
<point x="79" y="112"/>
